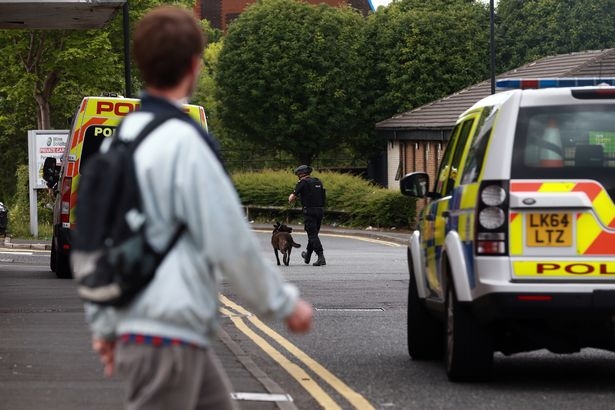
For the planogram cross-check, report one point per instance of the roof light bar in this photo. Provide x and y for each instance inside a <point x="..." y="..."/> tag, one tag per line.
<point x="527" y="83"/>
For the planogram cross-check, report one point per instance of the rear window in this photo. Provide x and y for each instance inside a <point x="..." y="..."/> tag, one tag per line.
<point x="566" y="142"/>
<point x="94" y="136"/>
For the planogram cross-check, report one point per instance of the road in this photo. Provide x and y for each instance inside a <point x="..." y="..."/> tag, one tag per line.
<point x="355" y="357"/>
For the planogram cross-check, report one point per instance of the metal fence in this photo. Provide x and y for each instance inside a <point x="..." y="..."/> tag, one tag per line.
<point x="247" y="160"/>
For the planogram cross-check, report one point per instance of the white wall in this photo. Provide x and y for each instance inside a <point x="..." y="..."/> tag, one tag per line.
<point x="392" y="164"/>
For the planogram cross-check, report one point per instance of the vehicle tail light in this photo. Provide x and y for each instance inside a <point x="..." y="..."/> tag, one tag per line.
<point x="65" y="201"/>
<point x="492" y="219"/>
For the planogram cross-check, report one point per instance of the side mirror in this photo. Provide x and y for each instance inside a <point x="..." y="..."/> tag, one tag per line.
<point x="415" y="184"/>
<point x="51" y="172"/>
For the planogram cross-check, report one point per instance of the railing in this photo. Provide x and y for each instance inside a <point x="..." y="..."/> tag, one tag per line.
<point x="286" y="212"/>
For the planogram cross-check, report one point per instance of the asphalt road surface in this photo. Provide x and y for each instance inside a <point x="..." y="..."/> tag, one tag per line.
<point x="355" y="357"/>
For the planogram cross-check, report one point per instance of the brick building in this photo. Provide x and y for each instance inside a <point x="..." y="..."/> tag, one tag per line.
<point x="221" y="12"/>
<point x="416" y="139"/>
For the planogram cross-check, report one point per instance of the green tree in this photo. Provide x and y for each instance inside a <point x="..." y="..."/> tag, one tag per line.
<point x="290" y="77"/>
<point x="41" y="61"/>
<point x="45" y="75"/>
<point x="13" y="141"/>
<point x="239" y="154"/>
<point x="205" y="93"/>
<point x="527" y="30"/>
<point x="419" y="51"/>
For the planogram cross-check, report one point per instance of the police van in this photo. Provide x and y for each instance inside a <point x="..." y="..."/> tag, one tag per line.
<point x="515" y="247"/>
<point x="94" y="120"/>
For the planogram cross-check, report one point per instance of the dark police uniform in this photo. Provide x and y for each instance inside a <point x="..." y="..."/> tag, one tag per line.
<point x="312" y="194"/>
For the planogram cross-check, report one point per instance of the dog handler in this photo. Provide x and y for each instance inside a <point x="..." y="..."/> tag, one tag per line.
<point x="160" y="344"/>
<point x="312" y="194"/>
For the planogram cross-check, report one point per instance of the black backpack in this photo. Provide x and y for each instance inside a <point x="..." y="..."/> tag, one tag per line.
<point x="111" y="258"/>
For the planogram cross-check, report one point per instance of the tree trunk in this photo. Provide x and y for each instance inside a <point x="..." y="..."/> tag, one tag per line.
<point x="42" y="94"/>
<point x="42" y="112"/>
<point x="306" y="158"/>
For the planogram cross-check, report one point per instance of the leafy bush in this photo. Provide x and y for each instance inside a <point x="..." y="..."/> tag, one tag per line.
<point x="266" y="188"/>
<point x="351" y="200"/>
<point x="19" y="208"/>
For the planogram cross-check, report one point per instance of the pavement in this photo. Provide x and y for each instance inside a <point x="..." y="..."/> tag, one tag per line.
<point x="254" y="390"/>
<point x="18" y="243"/>
<point x="391" y="235"/>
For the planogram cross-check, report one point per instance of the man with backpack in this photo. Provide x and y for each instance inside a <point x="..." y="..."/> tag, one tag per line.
<point x="160" y="341"/>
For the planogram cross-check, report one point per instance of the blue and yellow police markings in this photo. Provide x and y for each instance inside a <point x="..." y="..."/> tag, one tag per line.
<point x="463" y="212"/>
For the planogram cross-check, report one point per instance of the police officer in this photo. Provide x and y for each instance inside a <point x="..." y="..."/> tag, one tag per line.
<point x="312" y="195"/>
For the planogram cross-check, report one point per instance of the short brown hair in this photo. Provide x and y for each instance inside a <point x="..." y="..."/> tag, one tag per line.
<point x="164" y="42"/>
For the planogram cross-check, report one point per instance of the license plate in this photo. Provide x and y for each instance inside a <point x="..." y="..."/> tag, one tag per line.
<point x="548" y="229"/>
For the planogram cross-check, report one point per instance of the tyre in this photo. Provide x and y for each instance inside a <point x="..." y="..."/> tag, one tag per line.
<point x="60" y="260"/>
<point x="52" y="259"/>
<point x="425" y="332"/>
<point x="469" y="350"/>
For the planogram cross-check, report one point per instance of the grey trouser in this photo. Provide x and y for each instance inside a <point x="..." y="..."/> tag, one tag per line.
<point x="172" y="377"/>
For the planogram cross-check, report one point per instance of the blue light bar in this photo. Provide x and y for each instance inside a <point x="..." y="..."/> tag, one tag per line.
<point x="527" y="83"/>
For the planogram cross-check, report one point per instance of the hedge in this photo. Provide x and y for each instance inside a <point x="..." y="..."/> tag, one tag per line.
<point x="351" y="200"/>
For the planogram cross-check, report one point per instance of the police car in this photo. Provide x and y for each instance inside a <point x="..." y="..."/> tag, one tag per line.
<point x="515" y="247"/>
<point x="95" y="119"/>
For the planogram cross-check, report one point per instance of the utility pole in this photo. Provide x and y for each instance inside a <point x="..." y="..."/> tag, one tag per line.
<point x="127" y="76"/>
<point x="492" y="43"/>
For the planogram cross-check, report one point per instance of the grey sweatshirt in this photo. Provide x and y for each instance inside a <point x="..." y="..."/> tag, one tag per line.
<point x="181" y="180"/>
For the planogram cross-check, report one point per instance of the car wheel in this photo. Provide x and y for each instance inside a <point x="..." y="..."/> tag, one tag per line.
<point x="469" y="350"/>
<point x="425" y="332"/>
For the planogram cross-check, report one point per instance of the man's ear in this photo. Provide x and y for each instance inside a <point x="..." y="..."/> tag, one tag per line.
<point x="196" y="64"/>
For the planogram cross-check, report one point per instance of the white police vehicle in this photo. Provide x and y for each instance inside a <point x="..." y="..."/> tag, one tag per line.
<point x="515" y="248"/>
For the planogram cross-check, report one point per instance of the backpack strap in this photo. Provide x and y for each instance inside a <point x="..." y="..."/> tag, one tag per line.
<point x="158" y="120"/>
<point x="178" y="233"/>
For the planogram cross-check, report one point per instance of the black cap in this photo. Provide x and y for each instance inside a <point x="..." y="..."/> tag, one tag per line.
<point x="303" y="170"/>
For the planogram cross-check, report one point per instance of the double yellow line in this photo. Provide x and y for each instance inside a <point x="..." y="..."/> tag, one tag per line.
<point x="296" y="371"/>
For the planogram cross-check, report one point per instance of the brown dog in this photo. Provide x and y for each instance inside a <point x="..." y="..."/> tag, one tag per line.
<point x="282" y="241"/>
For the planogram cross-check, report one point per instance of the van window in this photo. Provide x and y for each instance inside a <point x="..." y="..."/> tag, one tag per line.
<point x="462" y="141"/>
<point x="478" y="149"/>
<point x="566" y="142"/>
<point x="94" y="136"/>
<point x="443" y="170"/>
<point x="452" y="157"/>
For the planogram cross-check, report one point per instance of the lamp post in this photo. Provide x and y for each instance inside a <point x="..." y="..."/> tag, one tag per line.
<point x="492" y="44"/>
<point x="126" y="26"/>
